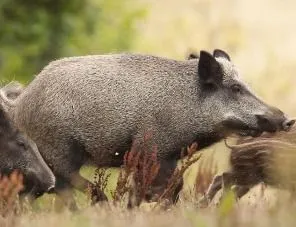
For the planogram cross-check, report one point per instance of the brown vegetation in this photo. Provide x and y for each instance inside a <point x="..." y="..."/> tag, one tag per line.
<point x="10" y="186"/>
<point x="176" y="179"/>
<point x="139" y="170"/>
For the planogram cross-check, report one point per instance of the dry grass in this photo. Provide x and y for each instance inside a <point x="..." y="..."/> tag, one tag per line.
<point x="227" y="214"/>
<point x="10" y="186"/>
<point x="143" y="168"/>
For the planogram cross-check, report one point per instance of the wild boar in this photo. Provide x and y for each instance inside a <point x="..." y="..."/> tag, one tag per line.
<point x="18" y="152"/>
<point x="92" y="108"/>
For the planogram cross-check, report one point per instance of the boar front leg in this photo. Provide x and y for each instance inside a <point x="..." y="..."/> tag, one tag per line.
<point x="218" y="182"/>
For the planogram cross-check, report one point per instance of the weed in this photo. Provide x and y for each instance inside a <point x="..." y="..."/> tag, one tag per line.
<point x="96" y="190"/>
<point x="10" y="186"/>
<point x="177" y="177"/>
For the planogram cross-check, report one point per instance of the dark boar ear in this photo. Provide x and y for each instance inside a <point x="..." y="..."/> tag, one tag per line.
<point x="209" y="69"/>
<point x="221" y="54"/>
<point x="192" y="55"/>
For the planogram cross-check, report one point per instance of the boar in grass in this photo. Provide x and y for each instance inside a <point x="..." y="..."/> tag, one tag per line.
<point x="268" y="159"/>
<point x="90" y="109"/>
<point x="20" y="153"/>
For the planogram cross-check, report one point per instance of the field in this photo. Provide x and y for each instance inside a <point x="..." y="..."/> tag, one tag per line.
<point x="251" y="211"/>
<point x="182" y="215"/>
<point x="262" y="206"/>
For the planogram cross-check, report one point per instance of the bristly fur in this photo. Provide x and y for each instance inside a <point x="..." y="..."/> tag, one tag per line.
<point x="258" y="160"/>
<point x="103" y="103"/>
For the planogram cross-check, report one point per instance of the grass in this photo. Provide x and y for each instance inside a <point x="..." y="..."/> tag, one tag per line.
<point x="270" y="207"/>
<point x="228" y="213"/>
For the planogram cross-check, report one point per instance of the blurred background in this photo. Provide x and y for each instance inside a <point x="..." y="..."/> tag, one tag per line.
<point x="258" y="35"/>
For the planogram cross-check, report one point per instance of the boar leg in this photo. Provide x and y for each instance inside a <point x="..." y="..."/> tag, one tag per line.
<point x="214" y="187"/>
<point x="64" y="189"/>
<point x="218" y="182"/>
<point x="65" y="192"/>
<point x="66" y="166"/>
<point x="240" y="191"/>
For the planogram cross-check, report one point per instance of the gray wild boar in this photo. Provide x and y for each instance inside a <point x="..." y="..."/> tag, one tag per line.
<point x="92" y="108"/>
<point x="18" y="152"/>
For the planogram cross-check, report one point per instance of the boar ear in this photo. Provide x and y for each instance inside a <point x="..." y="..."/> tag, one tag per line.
<point x="221" y="54"/>
<point x="209" y="69"/>
<point x="12" y="90"/>
<point x="192" y="55"/>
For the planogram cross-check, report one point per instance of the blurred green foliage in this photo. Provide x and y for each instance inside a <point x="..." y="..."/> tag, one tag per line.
<point x="35" y="32"/>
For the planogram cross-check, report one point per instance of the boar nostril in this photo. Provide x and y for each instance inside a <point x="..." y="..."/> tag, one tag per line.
<point x="51" y="190"/>
<point x="288" y="124"/>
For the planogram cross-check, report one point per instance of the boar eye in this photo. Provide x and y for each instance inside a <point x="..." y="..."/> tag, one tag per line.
<point x="21" y="143"/>
<point x="236" y="88"/>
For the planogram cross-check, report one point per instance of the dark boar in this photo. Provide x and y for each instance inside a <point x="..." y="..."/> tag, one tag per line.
<point x="91" y="109"/>
<point x="18" y="152"/>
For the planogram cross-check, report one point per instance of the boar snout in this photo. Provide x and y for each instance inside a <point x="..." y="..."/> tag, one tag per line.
<point x="288" y="123"/>
<point x="36" y="190"/>
<point x="51" y="189"/>
<point x="45" y="186"/>
<point x="38" y="183"/>
<point x="274" y="122"/>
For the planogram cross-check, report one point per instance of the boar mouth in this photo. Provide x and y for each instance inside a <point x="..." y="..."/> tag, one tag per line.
<point x="253" y="133"/>
<point x="234" y="125"/>
<point x="31" y="189"/>
<point x="32" y="192"/>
